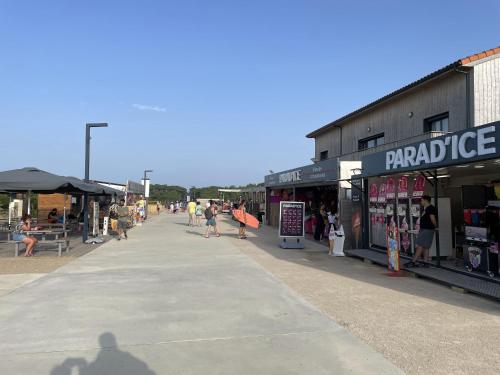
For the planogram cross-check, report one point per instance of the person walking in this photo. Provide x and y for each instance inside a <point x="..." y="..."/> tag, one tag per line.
<point x="123" y="216"/>
<point x="158" y="208"/>
<point x="428" y="224"/>
<point x="191" y="212"/>
<point x="320" y="223"/>
<point x="113" y="217"/>
<point x="211" y="216"/>
<point x="243" y="224"/>
<point x="141" y="208"/>
<point x="198" y="213"/>
<point x="18" y="235"/>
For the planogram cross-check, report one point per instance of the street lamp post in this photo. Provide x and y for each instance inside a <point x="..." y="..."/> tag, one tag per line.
<point x="85" y="233"/>
<point x="146" y="207"/>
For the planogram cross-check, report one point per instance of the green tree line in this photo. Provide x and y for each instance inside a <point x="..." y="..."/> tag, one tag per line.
<point x="172" y="193"/>
<point x="166" y="193"/>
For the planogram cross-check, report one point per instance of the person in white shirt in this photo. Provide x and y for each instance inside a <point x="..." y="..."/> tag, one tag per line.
<point x="333" y="223"/>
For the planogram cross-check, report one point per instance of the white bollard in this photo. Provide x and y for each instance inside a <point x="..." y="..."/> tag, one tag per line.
<point x="105" y="226"/>
<point x="338" y="247"/>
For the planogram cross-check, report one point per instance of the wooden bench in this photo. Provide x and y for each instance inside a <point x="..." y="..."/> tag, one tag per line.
<point x="59" y="243"/>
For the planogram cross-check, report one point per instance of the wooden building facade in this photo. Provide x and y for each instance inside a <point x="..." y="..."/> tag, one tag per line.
<point x="462" y="95"/>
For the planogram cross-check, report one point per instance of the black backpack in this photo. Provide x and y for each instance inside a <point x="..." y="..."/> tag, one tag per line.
<point x="208" y="213"/>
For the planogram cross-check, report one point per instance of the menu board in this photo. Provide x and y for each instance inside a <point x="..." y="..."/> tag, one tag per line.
<point x="291" y="219"/>
<point x="382" y="194"/>
<point x="403" y="187"/>
<point x="390" y="188"/>
<point x="373" y="193"/>
<point x="356" y="190"/>
<point x="418" y="186"/>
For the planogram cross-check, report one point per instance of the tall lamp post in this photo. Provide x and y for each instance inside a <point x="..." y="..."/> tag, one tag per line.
<point x="85" y="233"/>
<point x="146" y="207"/>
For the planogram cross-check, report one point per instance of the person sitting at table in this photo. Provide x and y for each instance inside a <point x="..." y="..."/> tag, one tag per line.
<point x="53" y="217"/>
<point x="18" y="235"/>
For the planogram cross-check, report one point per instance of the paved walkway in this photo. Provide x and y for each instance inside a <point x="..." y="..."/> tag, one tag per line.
<point x="168" y="301"/>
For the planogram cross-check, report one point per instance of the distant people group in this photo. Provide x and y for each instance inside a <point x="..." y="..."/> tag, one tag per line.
<point x="196" y="211"/>
<point x="175" y="207"/>
<point x="120" y="216"/>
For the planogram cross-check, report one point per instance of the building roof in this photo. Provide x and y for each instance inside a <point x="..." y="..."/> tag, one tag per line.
<point x="461" y="62"/>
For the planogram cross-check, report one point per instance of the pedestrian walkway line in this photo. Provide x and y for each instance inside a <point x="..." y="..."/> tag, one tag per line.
<point x="201" y="340"/>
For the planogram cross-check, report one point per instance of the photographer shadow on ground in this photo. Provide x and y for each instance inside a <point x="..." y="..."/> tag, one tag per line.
<point x="110" y="361"/>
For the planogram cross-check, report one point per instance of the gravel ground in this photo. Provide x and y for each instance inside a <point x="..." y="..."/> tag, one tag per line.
<point x="44" y="261"/>
<point x="421" y="326"/>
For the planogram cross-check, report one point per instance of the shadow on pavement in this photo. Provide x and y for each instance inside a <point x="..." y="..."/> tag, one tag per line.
<point x="200" y="233"/>
<point x="110" y="361"/>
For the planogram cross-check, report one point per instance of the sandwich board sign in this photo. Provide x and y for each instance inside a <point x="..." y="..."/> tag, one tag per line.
<point x="291" y="225"/>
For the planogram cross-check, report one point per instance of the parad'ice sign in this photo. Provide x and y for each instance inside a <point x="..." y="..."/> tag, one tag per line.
<point x="467" y="145"/>
<point x="290" y="176"/>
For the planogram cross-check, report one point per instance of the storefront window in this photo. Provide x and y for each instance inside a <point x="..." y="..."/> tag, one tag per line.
<point x="371" y="142"/>
<point x="437" y="123"/>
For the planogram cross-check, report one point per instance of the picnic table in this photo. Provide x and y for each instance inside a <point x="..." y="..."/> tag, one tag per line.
<point x="47" y="232"/>
<point x="4" y="225"/>
<point x="44" y="233"/>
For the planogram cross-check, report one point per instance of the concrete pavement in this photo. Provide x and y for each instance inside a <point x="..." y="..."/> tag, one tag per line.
<point x="168" y="301"/>
<point x="10" y="282"/>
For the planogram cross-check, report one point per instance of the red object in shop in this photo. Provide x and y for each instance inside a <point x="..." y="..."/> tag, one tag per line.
<point x="467" y="217"/>
<point x="373" y="193"/>
<point x="390" y="188"/>
<point x="382" y="194"/>
<point x="308" y="227"/>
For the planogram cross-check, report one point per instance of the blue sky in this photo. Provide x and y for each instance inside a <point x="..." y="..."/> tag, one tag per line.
<point x="209" y="92"/>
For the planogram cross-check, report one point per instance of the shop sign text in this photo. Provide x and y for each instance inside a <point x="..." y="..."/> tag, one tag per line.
<point x="467" y="145"/>
<point x="290" y="176"/>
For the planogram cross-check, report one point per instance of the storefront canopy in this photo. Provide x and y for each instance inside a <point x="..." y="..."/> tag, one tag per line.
<point x="321" y="172"/>
<point x="34" y="180"/>
<point x="462" y="147"/>
<point x="93" y="188"/>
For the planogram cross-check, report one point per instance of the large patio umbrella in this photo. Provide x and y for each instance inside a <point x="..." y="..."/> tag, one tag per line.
<point x="33" y="180"/>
